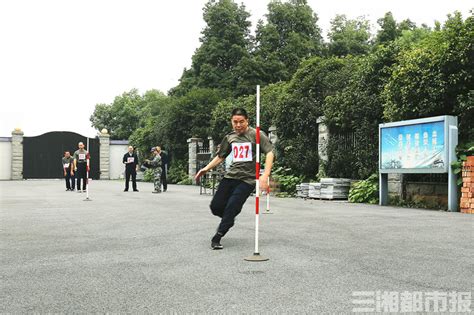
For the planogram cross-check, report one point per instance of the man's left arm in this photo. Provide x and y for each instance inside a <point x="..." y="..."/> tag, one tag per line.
<point x="269" y="157"/>
<point x="268" y="169"/>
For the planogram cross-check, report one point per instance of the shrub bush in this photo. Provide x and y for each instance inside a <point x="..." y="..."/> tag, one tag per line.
<point x="365" y="191"/>
<point x="287" y="181"/>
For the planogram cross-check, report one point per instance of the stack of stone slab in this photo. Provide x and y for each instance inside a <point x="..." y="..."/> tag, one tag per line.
<point x="302" y="190"/>
<point x="314" y="190"/>
<point x="335" y="188"/>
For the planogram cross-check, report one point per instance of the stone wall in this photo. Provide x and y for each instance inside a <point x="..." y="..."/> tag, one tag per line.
<point x="117" y="149"/>
<point x="5" y="158"/>
<point x="431" y="195"/>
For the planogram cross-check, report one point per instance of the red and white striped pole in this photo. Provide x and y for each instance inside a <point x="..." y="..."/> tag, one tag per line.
<point x="256" y="255"/>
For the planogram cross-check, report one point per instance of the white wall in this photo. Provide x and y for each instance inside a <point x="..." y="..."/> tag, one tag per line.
<point x="5" y="159"/>
<point x="116" y="166"/>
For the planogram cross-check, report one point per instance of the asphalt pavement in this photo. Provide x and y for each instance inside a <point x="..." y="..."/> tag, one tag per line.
<point x="138" y="252"/>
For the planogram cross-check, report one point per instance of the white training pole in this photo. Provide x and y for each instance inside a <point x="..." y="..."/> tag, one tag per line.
<point x="256" y="256"/>
<point x="87" y="169"/>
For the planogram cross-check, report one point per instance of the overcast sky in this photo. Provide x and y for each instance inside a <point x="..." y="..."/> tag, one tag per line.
<point x="58" y="58"/>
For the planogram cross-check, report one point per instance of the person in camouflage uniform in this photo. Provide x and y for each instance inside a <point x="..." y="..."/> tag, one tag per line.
<point x="155" y="164"/>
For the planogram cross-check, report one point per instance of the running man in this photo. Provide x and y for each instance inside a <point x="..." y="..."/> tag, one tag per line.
<point x="239" y="181"/>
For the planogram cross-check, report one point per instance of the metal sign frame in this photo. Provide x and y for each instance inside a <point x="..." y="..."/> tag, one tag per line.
<point x="450" y="124"/>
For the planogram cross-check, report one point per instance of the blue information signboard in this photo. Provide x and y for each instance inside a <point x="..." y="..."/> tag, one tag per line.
<point x="418" y="146"/>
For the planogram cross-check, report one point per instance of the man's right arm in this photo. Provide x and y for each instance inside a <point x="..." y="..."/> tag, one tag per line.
<point x="216" y="161"/>
<point x="75" y="161"/>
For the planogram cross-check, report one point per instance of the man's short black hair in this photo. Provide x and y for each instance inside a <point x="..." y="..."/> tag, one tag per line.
<point x="240" y="112"/>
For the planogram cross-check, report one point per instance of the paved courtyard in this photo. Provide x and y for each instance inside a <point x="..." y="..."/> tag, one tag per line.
<point x="148" y="253"/>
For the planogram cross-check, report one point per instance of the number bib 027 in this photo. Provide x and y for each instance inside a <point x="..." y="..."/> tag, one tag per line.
<point x="242" y="152"/>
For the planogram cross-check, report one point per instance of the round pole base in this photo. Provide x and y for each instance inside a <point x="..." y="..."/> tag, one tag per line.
<point x="87" y="199"/>
<point x="266" y="212"/>
<point x="256" y="257"/>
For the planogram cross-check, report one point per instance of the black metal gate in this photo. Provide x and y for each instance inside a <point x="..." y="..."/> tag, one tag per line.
<point x="42" y="154"/>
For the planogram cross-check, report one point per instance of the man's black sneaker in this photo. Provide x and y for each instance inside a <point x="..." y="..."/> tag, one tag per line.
<point x="216" y="245"/>
<point x="216" y="241"/>
<point x="135" y="190"/>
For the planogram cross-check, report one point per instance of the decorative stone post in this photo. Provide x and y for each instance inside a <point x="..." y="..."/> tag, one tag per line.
<point x="193" y="146"/>
<point x="17" y="154"/>
<point x="272" y="134"/>
<point x="395" y="186"/>
<point x="323" y="141"/>
<point x="104" y="154"/>
<point x="211" y="147"/>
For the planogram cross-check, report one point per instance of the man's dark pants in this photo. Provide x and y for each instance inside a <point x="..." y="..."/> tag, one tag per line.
<point x="164" y="176"/>
<point x="70" y="180"/>
<point x="81" y="174"/>
<point x="130" y="173"/>
<point x="228" y="202"/>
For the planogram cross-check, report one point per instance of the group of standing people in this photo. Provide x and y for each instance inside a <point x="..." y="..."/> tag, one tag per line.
<point x="75" y="168"/>
<point x="159" y="164"/>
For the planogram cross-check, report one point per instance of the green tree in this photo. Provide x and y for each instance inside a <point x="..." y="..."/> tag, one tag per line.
<point x="299" y="108"/>
<point x="406" y="25"/>
<point x="121" y="117"/>
<point x="349" y="37"/>
<point x="290" y="35"/>
<point x="185" y="117"/>
<point x="146" y="135"/>
<point x="391" y="30"/>
<point x="388" y="29"/>
<point x="225" y="41"/>
<point x="435" y="77"/>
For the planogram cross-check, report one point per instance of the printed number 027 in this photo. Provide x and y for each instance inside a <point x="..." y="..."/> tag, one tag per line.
<point x="239" y="152"/>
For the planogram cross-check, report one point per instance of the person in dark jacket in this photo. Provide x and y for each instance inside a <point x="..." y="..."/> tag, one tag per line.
<point x="164" y="167"/>
<point x="130" y="159"/>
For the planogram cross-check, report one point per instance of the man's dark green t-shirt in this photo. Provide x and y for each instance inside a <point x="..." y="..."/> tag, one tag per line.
<point x="80" y="155"/>
<point x="67" y="162"/>
<point x="243" y="149"/>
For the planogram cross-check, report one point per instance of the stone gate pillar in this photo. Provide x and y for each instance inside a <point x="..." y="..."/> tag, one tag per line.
<point x="193" y="146"/>
<point x="17" y="154"/>
<point x="323" y="141"/>
<point x="212" y="148"/>
<point x="104" y="154"/>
